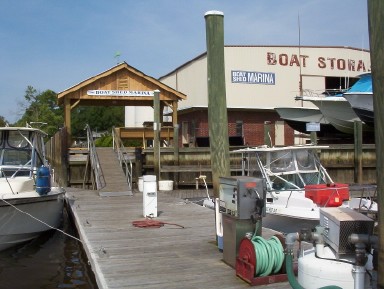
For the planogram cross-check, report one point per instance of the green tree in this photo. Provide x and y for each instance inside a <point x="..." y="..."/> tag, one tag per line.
<point x="3" y="121"/>
<point x="41" y="110"/>
<point x="99" y="118"/>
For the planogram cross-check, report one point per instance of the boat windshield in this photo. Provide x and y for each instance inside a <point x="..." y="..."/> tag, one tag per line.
<point x="293" y="169"/>
<point x="285" y="168"/>
<point x="281" y="161"/>
<point x="18" y="156"/>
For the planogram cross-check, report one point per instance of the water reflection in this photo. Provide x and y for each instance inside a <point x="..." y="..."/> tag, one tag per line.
<point x="51" y="261"/>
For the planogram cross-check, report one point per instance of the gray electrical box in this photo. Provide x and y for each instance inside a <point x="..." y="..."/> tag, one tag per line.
<point x="340" y="223"/>
<point x="243" y="197"/>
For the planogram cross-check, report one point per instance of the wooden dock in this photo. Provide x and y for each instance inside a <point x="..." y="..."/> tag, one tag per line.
<point x="124" y="256"/>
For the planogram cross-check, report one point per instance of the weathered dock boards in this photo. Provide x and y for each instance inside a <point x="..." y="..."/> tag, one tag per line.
<point x="123" y="256"/>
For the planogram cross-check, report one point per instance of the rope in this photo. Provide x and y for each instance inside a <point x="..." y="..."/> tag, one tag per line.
<point x="49" y="226"/>
<point x="149" y="223"/>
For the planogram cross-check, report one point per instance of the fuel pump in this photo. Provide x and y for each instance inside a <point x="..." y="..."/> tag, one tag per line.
<point x="243" y="201"/>
<point x="243" y="205"/>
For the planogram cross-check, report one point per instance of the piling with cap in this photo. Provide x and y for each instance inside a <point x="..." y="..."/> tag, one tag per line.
<point x="217" y="103"/>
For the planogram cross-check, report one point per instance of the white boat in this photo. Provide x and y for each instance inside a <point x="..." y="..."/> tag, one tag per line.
<point x="297" y="186"/>
<point x="29" y="204"/>
<point x="336" y="109"/>
<point x="362" y="104"/>
<point x="361" y="99"/>
<point x="298" y="118"/>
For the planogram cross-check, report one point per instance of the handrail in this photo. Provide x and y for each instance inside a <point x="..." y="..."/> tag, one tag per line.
<point x="118" y="146"/>
<point x="95" y="163"/>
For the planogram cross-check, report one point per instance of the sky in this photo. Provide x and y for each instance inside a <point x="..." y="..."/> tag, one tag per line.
<point x="50" y="44"/>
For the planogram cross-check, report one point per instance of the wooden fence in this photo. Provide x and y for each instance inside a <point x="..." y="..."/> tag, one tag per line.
<point x="57" y="154"/>
<point x="339" y="160"/>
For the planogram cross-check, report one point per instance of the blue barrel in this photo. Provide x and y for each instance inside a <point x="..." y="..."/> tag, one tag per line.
<point x="43" y="181"/>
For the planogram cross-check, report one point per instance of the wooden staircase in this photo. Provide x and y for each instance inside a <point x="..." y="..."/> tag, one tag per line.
<point x="115" y="179"/>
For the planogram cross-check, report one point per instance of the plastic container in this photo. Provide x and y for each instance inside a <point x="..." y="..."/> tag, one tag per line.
<point x="165" y="185"/>
<point x="327" y="195"/>
<point x="149" y="196"/>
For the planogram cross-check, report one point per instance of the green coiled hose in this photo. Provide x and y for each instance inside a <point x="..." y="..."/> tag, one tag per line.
<point x="270" y="255"/>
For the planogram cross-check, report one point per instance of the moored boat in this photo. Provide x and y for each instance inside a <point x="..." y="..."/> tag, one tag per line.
<point x="297" y="186"/>
<point x="29" y="203"/>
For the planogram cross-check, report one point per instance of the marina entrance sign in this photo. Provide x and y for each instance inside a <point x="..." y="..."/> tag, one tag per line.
<point x="102" y="92"/>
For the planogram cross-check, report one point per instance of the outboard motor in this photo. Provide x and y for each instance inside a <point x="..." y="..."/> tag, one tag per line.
<point x="43" y="180"/>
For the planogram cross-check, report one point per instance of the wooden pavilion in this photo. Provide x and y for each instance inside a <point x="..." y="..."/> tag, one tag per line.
<point x="122" y="85"/>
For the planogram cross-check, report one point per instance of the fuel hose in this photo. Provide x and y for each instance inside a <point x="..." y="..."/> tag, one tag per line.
<point x="270" y="255"/>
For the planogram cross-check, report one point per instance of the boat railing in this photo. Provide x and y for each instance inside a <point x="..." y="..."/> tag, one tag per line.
<point x="9" y="171"/>
<point x="95" y="163"/>
<point x="320" y="93"/>
<point x="368" y="192"/>
<point x="123" y="157"/>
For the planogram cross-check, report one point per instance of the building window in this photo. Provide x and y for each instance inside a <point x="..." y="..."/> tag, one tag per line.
<point x="185" y="133"/>
<point x="239" y="128"/>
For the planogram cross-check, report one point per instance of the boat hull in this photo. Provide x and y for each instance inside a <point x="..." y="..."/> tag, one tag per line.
<point x="287" y="224"/>
<point x="298" y="117"/>
<point x="23" y="219"/>
<point x="338" y="112"/>
<point x="291" y="219"/>
<point x="362" y="104"/>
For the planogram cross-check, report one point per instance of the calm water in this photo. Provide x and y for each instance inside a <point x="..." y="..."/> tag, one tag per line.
<point x="51" y="261"/>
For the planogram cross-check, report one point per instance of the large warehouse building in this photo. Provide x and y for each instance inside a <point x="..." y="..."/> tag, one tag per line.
<point x="258" y="79"/>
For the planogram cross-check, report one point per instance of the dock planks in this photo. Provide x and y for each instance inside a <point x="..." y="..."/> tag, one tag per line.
<point x="123" y="256"/>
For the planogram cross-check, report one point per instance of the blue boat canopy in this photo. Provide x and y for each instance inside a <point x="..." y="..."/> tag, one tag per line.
<point x="364" y="84"/>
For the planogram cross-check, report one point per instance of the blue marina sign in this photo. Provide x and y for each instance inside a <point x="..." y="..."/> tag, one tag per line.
<point x="253" y="77"/>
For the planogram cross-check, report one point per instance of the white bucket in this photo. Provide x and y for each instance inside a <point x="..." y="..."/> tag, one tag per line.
<point x="141" y="184"/>
<point x="165" y="185"/>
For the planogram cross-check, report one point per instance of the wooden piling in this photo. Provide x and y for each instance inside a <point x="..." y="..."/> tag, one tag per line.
<point x="176" y="154"/>
<point x="217" y="103"/>
<point x="267" y="134"/>
<point x="376" y="38"/>
<point x="156" y="130"/>
<point x="313" y="137"/>
<point x="358" y="139"/>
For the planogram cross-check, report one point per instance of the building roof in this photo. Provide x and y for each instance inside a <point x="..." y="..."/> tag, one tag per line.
<point x="120" y="77"/>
